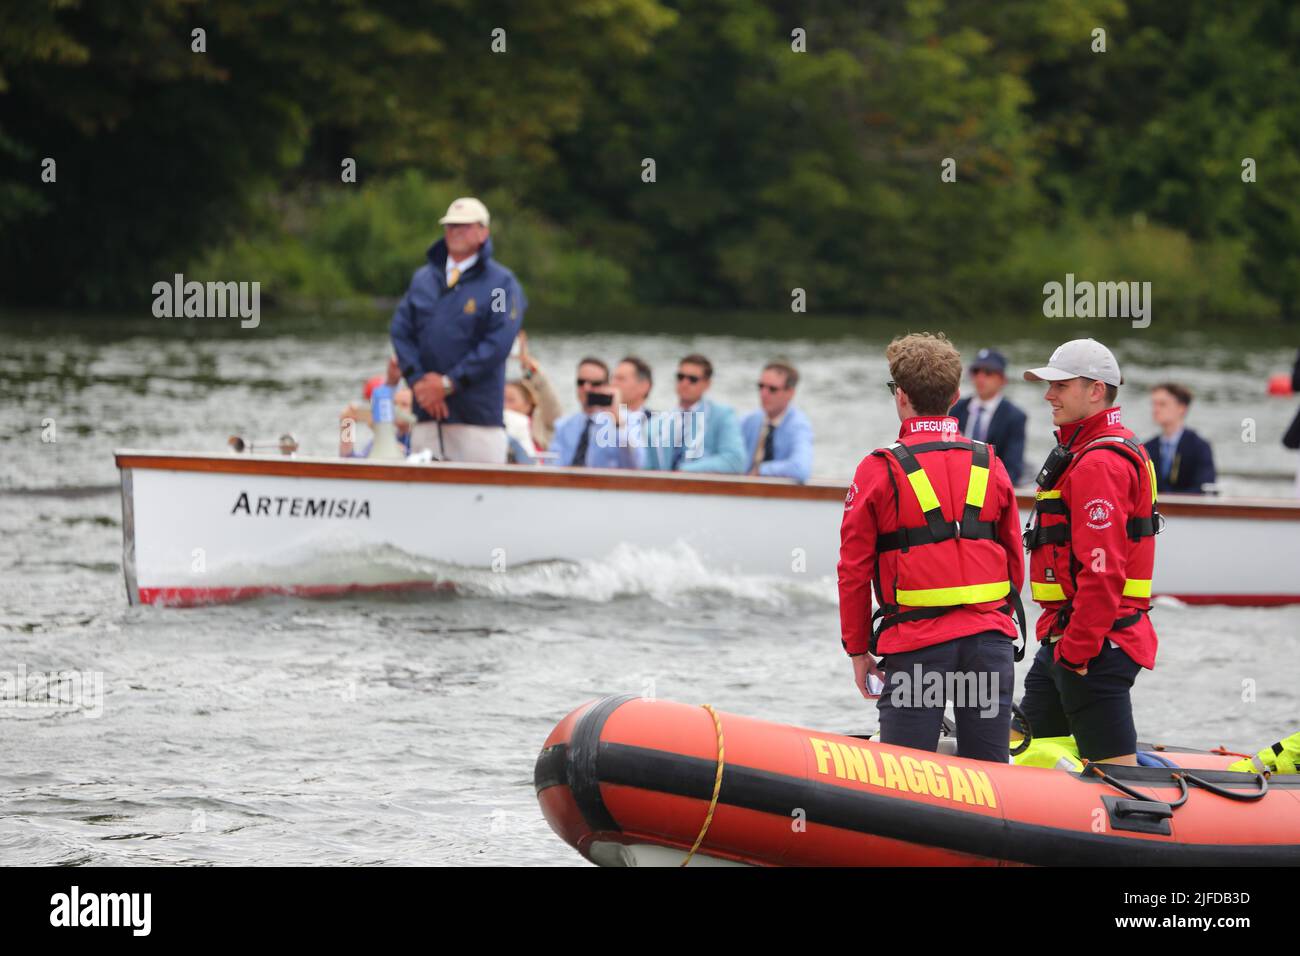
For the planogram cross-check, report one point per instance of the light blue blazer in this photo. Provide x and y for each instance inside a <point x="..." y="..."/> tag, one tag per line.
<point x="709" y="440"/>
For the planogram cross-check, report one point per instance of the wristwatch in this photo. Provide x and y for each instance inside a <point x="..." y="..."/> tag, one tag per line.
<point x="448" y="386"/>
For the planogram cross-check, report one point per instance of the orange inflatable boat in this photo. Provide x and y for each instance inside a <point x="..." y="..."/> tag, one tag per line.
<point x="633" y="782"/>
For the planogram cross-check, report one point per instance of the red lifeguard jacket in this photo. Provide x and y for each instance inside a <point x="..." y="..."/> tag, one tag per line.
<point x="948" y="553"/>
<point x="1053" y="567"/>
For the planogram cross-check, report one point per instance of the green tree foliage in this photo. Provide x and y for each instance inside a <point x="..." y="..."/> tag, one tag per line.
<point x="161" y="149"/>
<point x="329" y="244"/>
<point x="774" y="169"/>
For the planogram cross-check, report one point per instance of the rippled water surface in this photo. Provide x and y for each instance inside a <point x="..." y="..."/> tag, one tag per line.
<point x="403" y="729"/>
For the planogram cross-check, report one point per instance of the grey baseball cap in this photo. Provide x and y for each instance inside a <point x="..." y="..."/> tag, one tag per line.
<point x="1079" y="358"/>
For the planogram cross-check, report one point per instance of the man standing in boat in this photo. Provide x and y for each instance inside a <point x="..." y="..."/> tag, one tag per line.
<point x="1092" y="552"/>
<point x="932" y="521"/>
<point x="452" y="333"/>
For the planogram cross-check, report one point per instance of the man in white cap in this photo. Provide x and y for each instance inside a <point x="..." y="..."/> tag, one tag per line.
<point x="1092" y="552"/>
<point x="452" y="333"/>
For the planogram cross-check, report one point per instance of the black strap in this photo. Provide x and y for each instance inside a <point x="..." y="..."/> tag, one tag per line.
<point x="940" y="529"/>
<point x="1016" y="608"/>
<point x="1128" y="620"/>
<point x="971" y="525"/>
<point x="1037" y="536"/>
<point x="936" y="527"/>
<point x="889" y="616"/>
<point x="1145" y="527"/>
<point x="925" y="446"/>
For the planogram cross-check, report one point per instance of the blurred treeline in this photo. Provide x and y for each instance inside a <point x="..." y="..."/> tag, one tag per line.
<point x="775" y="169"/>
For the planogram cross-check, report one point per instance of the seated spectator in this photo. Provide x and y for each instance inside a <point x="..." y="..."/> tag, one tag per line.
<point x="988" y="416"/>
<point x="584" y="438"/>
<point x="520" y="406"/>
<point x="1183" y="459"/>
<point x="700" y="435"/>
<point x="546" y="411"/>
<point x="778" y="436"/>
<point x="633" y="379"/>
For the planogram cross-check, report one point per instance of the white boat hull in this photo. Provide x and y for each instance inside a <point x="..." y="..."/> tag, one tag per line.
<point x="200" y="528"/>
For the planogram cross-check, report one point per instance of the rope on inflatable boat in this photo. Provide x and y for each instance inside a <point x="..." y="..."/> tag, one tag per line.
<point x="717" y="786"/>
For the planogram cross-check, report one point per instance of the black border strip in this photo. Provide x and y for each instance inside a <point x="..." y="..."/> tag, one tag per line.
<point x="914" y="822"/>
<point x="550" y="769"/>
<point x="583" y="753"/>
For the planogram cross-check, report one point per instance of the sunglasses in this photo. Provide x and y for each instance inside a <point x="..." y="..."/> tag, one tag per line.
<point x="893" y="387"/>
<point x="693" y="379"/>
<point x="591" y="382"/>
<point x="764" y="387"/>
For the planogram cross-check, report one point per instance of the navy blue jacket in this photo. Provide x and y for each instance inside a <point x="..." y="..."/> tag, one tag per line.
<point x="464" y="333"/>
<point x="1006" y="433"/>
<point x="1192" y="467"/>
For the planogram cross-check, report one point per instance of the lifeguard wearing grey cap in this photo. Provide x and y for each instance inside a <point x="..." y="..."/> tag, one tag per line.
<point x="1079" y="358"/>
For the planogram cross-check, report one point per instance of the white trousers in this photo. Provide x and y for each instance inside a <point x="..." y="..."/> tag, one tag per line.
<point x="476" y="443"/>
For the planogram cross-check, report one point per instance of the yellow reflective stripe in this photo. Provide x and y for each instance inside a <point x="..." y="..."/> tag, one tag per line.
<point x="1043" y="591"/>
<point x="1047" y="494"/>
<point x="1137" y="588"/>
<point x="946" y="597"/>
<point x="979" y="483"/>
<point x="1151" y="470"/>
<point x="924" y="490"/>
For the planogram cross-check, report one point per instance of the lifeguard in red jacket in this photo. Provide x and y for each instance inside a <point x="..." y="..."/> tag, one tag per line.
<point x="1092" y="553"/>
<point x="930" y="522"/>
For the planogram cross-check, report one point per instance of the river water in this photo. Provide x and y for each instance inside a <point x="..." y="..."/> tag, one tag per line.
<point x="403" y="729"/>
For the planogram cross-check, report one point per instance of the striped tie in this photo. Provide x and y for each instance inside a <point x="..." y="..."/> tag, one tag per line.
<point x="453" y="277"/>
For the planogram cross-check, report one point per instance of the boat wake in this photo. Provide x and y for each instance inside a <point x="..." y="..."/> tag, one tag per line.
<point x="674" y="576"/>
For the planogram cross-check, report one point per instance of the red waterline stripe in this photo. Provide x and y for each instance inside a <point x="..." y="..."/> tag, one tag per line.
<point x="1238" y="600"/>
<point x="193" y="597"/>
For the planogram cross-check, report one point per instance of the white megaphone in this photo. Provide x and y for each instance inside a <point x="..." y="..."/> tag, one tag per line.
<point x="383" y="422"/>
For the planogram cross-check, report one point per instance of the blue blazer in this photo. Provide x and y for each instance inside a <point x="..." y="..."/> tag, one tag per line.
<point x="792" y="445"/>
<point x="1006" y="433"/>
<point x="721" y="448"/>
<point x="1192" y="467"/>
<point x="464" y="333"/>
